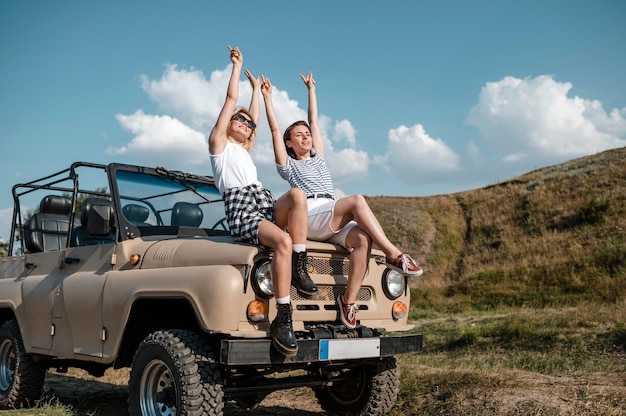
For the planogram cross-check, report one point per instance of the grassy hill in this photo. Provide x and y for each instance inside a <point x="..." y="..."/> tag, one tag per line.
<point x="552" y="237"/>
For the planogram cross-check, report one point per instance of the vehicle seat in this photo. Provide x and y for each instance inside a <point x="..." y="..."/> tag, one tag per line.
<point x="136" y="214"/>
<point x="186" y="214"/>
<point x="47" y="230"/>
<point x="81" y="235"/>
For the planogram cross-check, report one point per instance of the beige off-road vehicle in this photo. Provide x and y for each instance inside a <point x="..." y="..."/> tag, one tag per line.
<point x="116" y="265"/>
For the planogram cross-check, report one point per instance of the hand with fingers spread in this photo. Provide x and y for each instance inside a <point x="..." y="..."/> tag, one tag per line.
<point x="254" y="82"/>
<point x="308" y="80"/>
<point x="266" y="87"/>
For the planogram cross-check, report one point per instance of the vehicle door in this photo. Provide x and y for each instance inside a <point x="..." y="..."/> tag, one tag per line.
<point x="77" y="301"/>
<point x="39" y="287"/>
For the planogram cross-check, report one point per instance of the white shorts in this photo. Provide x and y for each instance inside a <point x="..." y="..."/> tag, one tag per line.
<point x="321" y="211"/>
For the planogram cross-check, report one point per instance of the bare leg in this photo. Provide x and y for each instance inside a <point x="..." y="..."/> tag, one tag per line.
<point x="355" y="207"/>
<point x="272" y="236"/>
<point x="291" y="212"/>
<point x="361" y="244"/>
<point x="281" y="328"/>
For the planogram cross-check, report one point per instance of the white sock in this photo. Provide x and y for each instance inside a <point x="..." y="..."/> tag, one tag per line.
<point x="284" y="301"/>
<point x="299" y="248"/>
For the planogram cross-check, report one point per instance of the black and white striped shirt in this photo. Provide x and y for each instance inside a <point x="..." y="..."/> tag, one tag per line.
<point x="311" y="174"/>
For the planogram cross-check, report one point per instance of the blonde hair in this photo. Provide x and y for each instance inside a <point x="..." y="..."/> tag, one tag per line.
<point x="250" y="140"/>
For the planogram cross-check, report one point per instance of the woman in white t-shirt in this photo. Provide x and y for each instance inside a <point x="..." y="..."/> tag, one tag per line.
<point x="347" y="221"/>
<point x="253" y="215"/>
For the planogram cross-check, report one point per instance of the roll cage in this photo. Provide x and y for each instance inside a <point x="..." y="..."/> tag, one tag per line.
<point x="91" y="203"/>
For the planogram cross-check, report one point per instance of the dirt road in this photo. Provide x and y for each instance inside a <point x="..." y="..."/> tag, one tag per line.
<point x="517" y="393"/>
<point x="107" y="396"/>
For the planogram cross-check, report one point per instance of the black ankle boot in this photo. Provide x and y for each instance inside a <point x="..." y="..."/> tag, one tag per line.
<point x="300" y="276"/>
<point x="283" y="338"/>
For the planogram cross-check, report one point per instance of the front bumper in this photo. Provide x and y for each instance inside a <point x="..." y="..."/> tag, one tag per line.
<point x="240" y="352"/>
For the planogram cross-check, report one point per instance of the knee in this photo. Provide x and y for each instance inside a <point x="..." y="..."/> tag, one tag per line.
<point x="297" y="195"/>
<point x="357" y="201"/>
<point x="359" y="239"/>
<point x="284" y="245"/>
<point x="360" y="201"/>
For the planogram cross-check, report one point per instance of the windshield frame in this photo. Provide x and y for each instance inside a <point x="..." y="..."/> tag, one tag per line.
<point x="162" y="187"/>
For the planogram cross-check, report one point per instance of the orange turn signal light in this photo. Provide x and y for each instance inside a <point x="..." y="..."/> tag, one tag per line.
<point x="258" y="311"/>
<point x="399" y="310"/>
<point x="134" y="259"/>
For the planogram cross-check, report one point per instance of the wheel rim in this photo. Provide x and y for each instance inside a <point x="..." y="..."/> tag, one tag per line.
<point x="157" y="392"/>
<point x="349" y="392"/>
<point x="7" y="364"/>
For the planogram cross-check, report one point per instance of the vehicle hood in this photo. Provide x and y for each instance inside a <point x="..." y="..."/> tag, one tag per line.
<point x="182" y="252"/>
<point x="193" y="251"/>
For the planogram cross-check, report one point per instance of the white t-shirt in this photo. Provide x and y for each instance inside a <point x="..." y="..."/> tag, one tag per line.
<point x="233" y="168"/>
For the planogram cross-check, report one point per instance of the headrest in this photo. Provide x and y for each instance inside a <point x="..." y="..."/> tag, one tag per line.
<point x="186" y="214"/>
<point x="88" y="206"/>
<point x="97" y="207"/>
<point x="135" y="213"/>
<point x="55" y="204"/>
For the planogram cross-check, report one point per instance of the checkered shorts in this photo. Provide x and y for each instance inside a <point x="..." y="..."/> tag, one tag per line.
<point x="245" y="209"/>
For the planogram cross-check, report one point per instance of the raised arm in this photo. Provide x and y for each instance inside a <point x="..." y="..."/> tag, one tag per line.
<point x="280" y="151"/>
<point x="316" y="134"/>
<point x="255" y="104"/>
<point x="218" y="137"/>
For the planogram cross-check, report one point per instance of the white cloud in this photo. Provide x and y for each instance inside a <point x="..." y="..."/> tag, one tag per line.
<point x="347" y="164"/>
<point x="190" y="105"/>
<point x="344" y="131"/>
<point x="534" y="119"/>
<point x="412" y="155"/>
<point x="188" y="96"/>
<point x="162" y="140"/>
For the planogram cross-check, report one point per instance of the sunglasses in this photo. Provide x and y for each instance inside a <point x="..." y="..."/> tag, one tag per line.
<point x="242" y="119"/>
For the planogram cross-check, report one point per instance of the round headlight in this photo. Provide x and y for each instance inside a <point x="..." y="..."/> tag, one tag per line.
<point x="262" y="280"/>
<point x="394" y="283"/>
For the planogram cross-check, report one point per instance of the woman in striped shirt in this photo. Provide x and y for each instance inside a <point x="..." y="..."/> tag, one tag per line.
<point x="347" y="221"/>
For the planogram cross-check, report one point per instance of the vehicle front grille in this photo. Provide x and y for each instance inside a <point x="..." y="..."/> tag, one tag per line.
<point x="331" y="293"/>
<point x="328" y="266"/>
<point x="332" y="267"/>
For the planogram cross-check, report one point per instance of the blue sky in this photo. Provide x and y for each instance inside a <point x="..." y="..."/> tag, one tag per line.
<point x="416" y="97"/>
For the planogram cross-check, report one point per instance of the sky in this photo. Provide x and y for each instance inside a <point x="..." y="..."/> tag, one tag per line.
<point x="416" y="98"/>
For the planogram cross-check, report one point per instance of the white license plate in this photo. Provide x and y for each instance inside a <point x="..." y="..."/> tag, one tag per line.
<point x="337" y="349"/>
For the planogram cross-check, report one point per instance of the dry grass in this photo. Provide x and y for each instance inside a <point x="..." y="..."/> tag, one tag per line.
<point x="564" y="361"/>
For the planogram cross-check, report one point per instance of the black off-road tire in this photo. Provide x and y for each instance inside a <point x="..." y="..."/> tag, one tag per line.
<point x="174" y="373"/>
<point x="371" y="390"/>
<point x="21" y="379"/>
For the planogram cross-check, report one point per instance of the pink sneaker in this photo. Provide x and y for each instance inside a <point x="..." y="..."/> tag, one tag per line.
<point x="405" y="265"/>
<point x="347" y="312"/>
